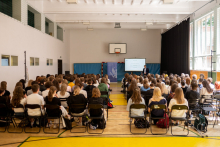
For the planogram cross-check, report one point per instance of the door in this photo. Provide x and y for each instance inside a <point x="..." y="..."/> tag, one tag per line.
<point x="60" y="67"/>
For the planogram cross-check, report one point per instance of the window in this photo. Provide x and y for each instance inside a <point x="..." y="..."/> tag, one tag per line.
<point x="49" y="27"/>
<point x="34" y="61"/>
<point x="49" y="62"/>
<point x="204" y="42"/>
<point x="14" y="60"/>
<point x="6" y="7"/>
<point x="5" y="60"/>
<point x="59" y="33"/>
<point x="30" y="19"/>
<point x="34" y="18"/>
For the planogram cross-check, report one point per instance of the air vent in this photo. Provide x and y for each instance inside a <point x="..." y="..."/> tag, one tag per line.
<point x="117" y="25"/>
<point x="72" y="1"/>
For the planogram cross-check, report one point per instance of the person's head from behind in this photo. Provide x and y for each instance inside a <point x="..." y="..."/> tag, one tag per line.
<point x="140" y="80"/>
<point x="132" y="86"/>
<point x="146" y="84"/>
<point x="179" y="96"/>
<point x="152" y="86"/>
<point x="136" y="95"/>
<point x="76" y="90"/>
<point x="194" y="77"/>
<point x="71" y="79"/>
<point x="157" y="92"/>
<point x="173" y="87"/>
<point x="4" y="85"/>
<point x="201" y="80"/>
<point x="35" y="88"/>
<point x="209" y="80"/>
<point x="154" y="81"/>
<point x="42" y="81"/>
<point x="183" y="83"/>
<point x="48" y="84"/>
<point x="90" y="81"/>
<point x="19" y="84"/>
<point x="23" y="83"/>
<point x="106" y="76"/>
<point x="159" y="85"/>
<point x="179" y="80"/>
<point x="194" y="86"/>
<point x="52" y="93"/>
<point x="188" y="81"/>
<point x="207" y="86"/>
<point x="63" y="89"/>
<point x="2" y="91"/>
<point x="103" y="80"/>
<point x="96" y="92"/>
<point x="56" y="84"/>
<point x="17" y="96"/>
<point x="202" y="76"/>
<point x="77" y="81"/>
<point x="167" y="82"/>
<point x="82" y="79"/>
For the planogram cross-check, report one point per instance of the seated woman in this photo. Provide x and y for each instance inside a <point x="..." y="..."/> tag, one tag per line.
<point x="4" y="87"/>
<point x="63" y="94"/>
<point x="18" y="98"/>
<point x="140" y="82"/>
<point x="145" y="86"/>
<point x="155" y="100"/>
<point x="206" y="89"/>
<point x="96" y="112"/>
<point x="131" y="89"/>
<point x="4" y="100"/>
<point x="136" y="99"/>
<point x="77" y="98"/>
<point x="172" y="94"/>
<point x="52" y="99"/>
<point x="178" y="100"/>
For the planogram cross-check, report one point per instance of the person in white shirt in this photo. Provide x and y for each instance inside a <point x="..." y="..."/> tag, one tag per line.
<point x="18" y="98"/>
<point x="82" y="91"/>
<point x="63" y="94"/>
<point x="140" y="82"/>
<point x="178" y="99"/>
<point x="107" y="79"/>
<point x="206" y="89"/>
<point x="45" y="92"/>
<point x="95" y="83"/>
<point x="35" y="98"/>
<point x="136" y="99"/>
<point x="209" y="80"/>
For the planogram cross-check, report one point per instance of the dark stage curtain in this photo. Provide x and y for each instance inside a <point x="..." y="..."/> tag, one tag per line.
<point x="175" y="49"/>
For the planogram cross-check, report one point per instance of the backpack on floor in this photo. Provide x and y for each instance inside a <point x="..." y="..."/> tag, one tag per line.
<point x="110" y="105"/>
<point x="162" y="123"/>
<point x="99" y="123"/>
<point x="141" y="123"/>
<point x="201" y="123"/>
<point x="68" y="123"/>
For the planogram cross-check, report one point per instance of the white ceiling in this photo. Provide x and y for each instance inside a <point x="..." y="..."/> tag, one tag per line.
<point x="102" y="14"/>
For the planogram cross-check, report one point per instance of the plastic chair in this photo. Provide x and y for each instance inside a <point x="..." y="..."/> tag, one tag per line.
<point x="158" y="107"/>
<point x="33" y="106"/>
<point x="102" y="117"/>
<point x="52" y="116"/>
<point x="77" y="106"/>
<point x="180" y="108"/>
<point x="18" y="115"/>
<point x="137" y="106"/>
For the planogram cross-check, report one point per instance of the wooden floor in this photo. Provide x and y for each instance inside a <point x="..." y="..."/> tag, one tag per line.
<point x="117" y="131"/>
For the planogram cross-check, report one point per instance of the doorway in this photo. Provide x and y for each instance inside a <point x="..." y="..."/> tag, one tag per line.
<point x="60" y="66"/>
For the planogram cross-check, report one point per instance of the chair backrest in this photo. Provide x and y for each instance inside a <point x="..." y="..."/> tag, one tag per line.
<point x="179" y="107"/>
<point x="105" y="100"/>
<point x="207" y="99"/>
<point x="158" y="106"/>
<point x="104" y="92"/>
<point x="3" y="106"/>
<point x="77" y="106"/>
<point x="52" y="107"/>
<point x="3" y="110"/>
<point x="138" y="106"/>
<point x="193" y="102"/>
<point x="89" y="94"/>
<point x="32" y="106"/>
<point x="217" y="96"/>
<point x="95" y="106"/>
<point x="63" y="99"/>
<point x="19" y="106"/>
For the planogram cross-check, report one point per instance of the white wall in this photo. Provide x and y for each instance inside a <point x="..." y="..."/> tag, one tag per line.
<point x="92" y="46"/>
<point x="15" y="38"/>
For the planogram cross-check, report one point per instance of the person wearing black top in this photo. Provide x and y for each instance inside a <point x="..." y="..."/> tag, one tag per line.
<point x="89" y="88"/>
<point x="4" y="87"/>
<point x="51" y="99"/>
<point x="145" y="70"/>
<point x="77" y="98"/>
<point x="42" y="83"/>
<point x="4" y="100"/>
<point x="96" y="100"/>
<point x="192" y="94"/>
<point x="184" y="87"/>
<point x="149" y="94"/>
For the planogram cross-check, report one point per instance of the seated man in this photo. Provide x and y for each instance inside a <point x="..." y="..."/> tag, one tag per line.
<point x="35" y="98"/>
<point x="29" y="92"/>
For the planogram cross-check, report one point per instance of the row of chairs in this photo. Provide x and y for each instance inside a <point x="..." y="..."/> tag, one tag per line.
<point x="151" y="118"/>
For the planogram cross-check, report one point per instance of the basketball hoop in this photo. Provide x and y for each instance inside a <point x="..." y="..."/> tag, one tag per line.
<point x="117" y="52"/>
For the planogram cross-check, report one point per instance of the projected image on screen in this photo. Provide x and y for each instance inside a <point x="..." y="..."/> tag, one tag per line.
<point x="134" y="64"/>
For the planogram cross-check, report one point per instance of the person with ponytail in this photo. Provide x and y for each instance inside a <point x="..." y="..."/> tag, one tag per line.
<point x="178" y="100"/>
<point x="18" y="98"/>
<point x="136" y="99"/>
<point x="77" y="98"/>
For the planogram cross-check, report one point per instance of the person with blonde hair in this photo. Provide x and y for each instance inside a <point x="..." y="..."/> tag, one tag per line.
<point x="178" y="100"/>
<point x="68" y="87"/>
<point x="77" y="98"/>
<point x="165" y="89"/>
<point x="136" y="99"/>
<point x="156" y="100"/>
<point x="63" y="94"/>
